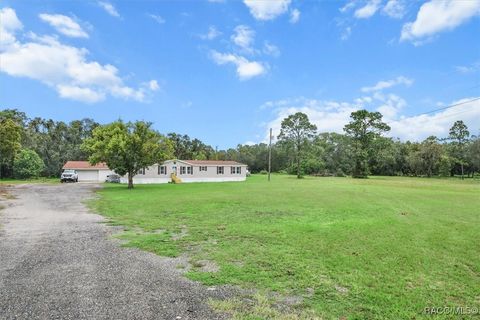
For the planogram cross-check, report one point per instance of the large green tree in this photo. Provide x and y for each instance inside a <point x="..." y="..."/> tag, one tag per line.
<point x="10" y="143"/>
<point x="27" y="164"/>
<point x="459" y="135"/>
<point x="474" y="155"/>
<point x="296" y="131"/>
<point x="430" y="154"/>
<point x="127" y="147"/>
<point x="335" y="152"/>
<point x="364" y="128"/>
<point x="186" y="148"/>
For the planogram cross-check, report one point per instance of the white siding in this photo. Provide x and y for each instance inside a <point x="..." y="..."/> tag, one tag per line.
<point x="213" y="179"/>
<point x="140" y="180"/>
<point x="152" y="175"/>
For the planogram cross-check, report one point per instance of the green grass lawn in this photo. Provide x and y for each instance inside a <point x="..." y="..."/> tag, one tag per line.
<point x="380" y="248"/>
<point x="38" y="180"/>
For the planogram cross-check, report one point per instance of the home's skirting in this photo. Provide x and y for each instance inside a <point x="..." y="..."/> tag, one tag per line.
<point x="141" y="180"/>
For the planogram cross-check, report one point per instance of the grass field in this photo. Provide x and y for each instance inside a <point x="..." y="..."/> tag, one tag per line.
<point x="380" y="248"/>
<point x="20" y="181"/>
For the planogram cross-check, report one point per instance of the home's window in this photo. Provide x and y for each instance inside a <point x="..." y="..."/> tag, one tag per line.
<point x="141" y="171"/>
<point x="162" y="170"/>
<point x="182" y="170"/>
<point x="189" y="170"/>
<point x="232" y="170"/>
<point x="219" y="170"/>
<point x="203" y="168"/>
<point x="239" y="170"/>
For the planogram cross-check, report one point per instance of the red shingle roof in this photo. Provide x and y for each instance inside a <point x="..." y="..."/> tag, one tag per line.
<point x="214" y="162"/>
<point x="84" y="165"/>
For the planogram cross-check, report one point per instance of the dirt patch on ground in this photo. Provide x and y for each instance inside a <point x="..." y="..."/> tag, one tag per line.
<point x="206" y="266"/>
<point x="183" y="233"/>
<point x="4" y="194"/>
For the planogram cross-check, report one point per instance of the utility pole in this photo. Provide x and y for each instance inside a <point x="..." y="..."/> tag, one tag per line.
<point x="270" y="155"/>
<point x="216" y="152"/>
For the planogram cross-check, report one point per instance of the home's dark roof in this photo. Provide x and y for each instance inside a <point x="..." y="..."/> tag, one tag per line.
<point x="84" y="165"/>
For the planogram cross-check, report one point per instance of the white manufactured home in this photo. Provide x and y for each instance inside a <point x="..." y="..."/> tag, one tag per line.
<point x="191" y="171"/>
<point x="171" y="170"/>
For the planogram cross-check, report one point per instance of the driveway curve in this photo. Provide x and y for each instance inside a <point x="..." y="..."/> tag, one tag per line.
<point x="57" y="261"/>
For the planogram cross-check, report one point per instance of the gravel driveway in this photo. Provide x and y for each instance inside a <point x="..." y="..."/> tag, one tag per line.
<point x="57" y="262"/>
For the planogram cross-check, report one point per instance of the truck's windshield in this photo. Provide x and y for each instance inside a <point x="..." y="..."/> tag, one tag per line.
<point x="68" y="171"/>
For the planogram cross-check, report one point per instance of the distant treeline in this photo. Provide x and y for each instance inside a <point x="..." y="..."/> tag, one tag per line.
<point x="325" y="154"/>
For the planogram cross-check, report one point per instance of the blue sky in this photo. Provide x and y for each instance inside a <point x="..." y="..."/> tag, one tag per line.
<point x="226" y="71"/>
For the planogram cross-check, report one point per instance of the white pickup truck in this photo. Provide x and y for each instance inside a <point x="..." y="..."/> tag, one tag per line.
<point x="69" y="175"/>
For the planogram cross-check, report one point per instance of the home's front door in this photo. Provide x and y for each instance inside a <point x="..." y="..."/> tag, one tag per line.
<point x="174" y="168"/>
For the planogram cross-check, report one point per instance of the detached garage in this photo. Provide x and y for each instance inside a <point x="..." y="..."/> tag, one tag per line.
<point x="87" y="172"/>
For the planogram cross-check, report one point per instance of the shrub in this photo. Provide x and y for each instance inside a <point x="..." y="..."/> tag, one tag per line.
<point x="27" y="164"/>
<point x="445" y="166"/>
<point x="312" y="166"/>
<point x="264" y="172"/>
<point x="340" y="173"/>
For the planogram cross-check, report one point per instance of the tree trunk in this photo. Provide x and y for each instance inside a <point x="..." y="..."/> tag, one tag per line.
<point x="130" y="180"/>
<point x="298" y="163"/>
<point x="461" y="166"/>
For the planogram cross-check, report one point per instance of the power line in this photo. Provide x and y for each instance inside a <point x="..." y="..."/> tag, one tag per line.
<point x="443" y="108"/>
<point x="451" y="115"/>
<point x="447" y="107"/>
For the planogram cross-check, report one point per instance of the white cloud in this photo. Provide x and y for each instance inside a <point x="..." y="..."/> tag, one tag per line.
<point x="474" y="67"/>
<point x="328" y="116"/>
<point x="437" y="16"/>
<point x="9" y="24"/>
<point x="65" y="68"/>
<point x="346" y="33"/>
<point x="65" y="25"/>
<point x="186" y="104"/>
<point x="394" y="9"/>
<point x="109" y="8"/>
<point x="347" y="7"/>
<point x="388" y="84"/>
<point x="390" y="105"/>
<point x="363" y="100"/>
<point x="159" y="19"/>
<point x="245" y="69"/>
<point x="271" y="49"/>
<point x="153" y="85"/>
<point x="331" y="116"/>
<point x="81" y="94"/>
<point x="368" y="10"/>
<point x="211" y="34"/>
<point x="419" y="127"/>
<point x="294" y="16"/>
<point x="243" y="37"/>
<point x="267" y="9"/>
